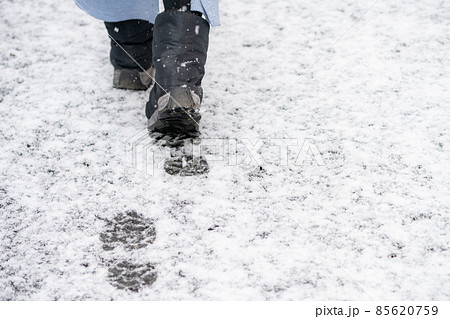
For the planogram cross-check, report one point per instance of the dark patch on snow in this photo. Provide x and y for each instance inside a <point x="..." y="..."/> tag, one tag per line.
<point x="129" y="229"/>
<point x="126" y="275"/>
<point x="182" y="161"/>
<point x="186" y="165"/>
<point x="258" y="172"/>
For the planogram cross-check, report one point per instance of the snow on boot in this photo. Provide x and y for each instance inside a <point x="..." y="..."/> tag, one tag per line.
<point x="131" y="54"/>
<point x="180" y="44"/>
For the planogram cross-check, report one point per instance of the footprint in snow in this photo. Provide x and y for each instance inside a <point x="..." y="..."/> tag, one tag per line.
<point x="131" y="231"/>
<point x="127" y="275"/>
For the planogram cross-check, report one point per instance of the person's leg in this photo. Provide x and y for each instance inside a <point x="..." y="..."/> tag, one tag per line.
<point x="180" y="44"/>
<point x="184" y="5"/>
<point x="131" y="53"/>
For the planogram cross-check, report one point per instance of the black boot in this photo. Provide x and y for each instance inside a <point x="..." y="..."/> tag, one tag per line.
<point x="180" y="44"/>
<point x="135" y="38"/>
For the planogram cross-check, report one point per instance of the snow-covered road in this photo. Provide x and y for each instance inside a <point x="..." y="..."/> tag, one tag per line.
<point x="368" y="217"/>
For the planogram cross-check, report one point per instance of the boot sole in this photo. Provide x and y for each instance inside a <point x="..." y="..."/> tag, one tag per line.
<point x="181" y="120"/>
<point x="176" y="114"/>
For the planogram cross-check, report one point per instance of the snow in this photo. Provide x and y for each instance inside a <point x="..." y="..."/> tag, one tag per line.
<point x="371" y="223"/>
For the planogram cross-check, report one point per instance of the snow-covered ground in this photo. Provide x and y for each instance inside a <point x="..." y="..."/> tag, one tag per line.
<point x="368" y="217"/>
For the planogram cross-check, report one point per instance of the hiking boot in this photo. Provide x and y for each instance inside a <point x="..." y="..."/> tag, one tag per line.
<point x="180" y="44"/>
<point x="131" y="53"/>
